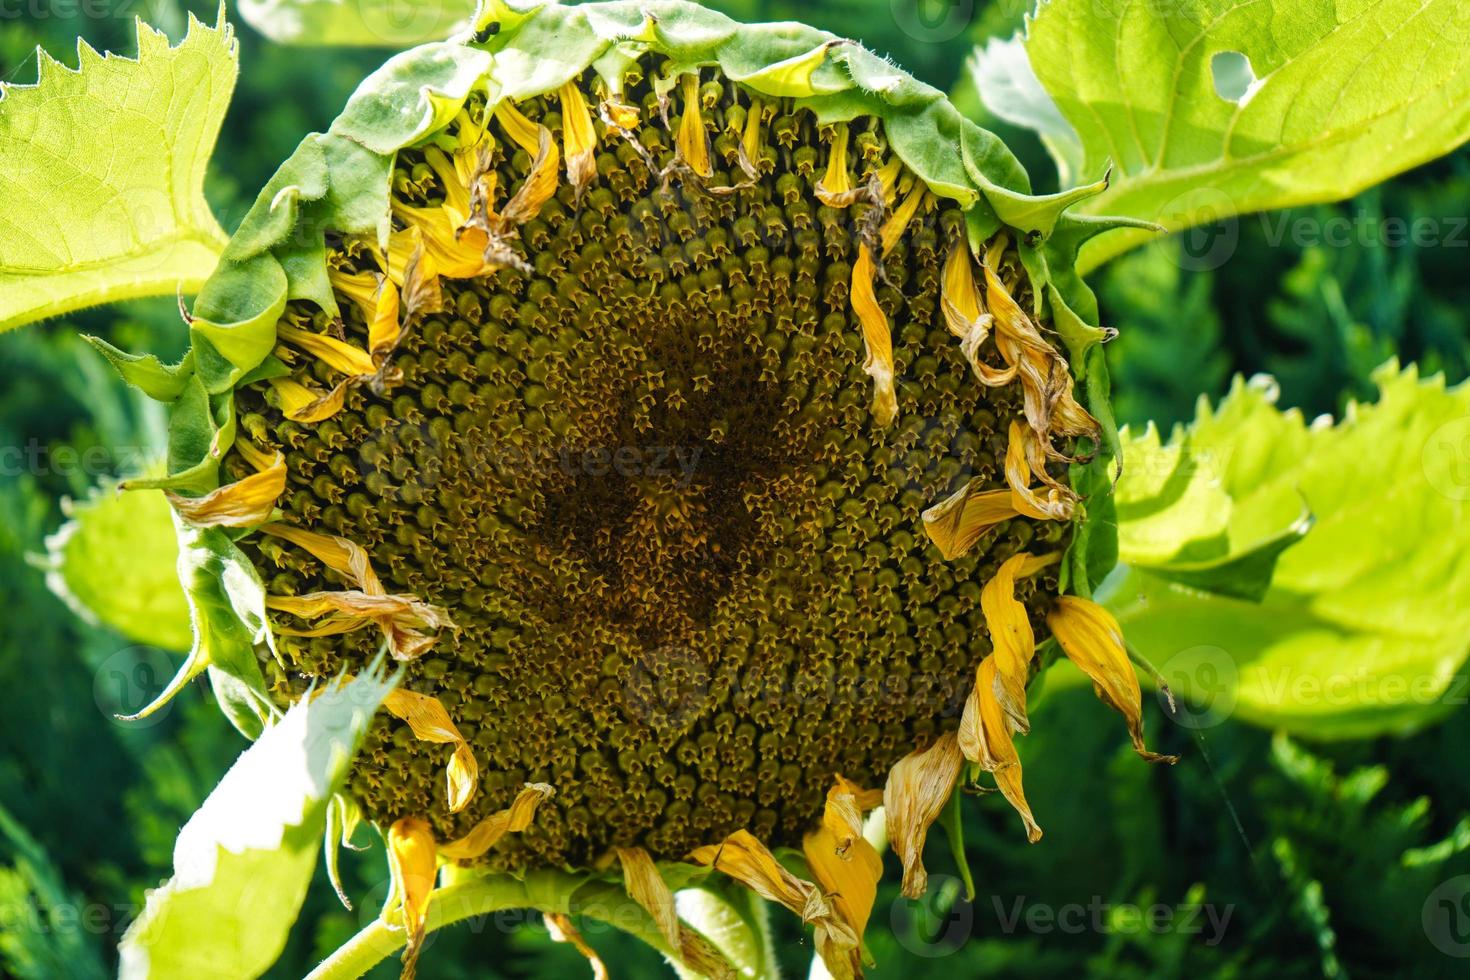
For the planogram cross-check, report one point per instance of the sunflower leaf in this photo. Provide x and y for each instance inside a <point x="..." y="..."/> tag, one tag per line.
<point x="115" y="561"/>
<point x="243" y="861"/>
<point x="1363" y="629"/>
<point x="1211" y="108"/>
<point x="102" y="174"/>
<point x="357" y="23"/>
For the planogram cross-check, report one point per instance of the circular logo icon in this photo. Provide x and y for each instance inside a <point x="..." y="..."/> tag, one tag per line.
<point x="667" y="687"/>
<point x="130" y="680"/>
<point x="1446" y="459"/>
<point x="1214" y="232"/>
<point x="1446" y="917"/>
<point x="1203" y="681"/>
<point x="932" y="21"/>
<point x="937" y="924"/>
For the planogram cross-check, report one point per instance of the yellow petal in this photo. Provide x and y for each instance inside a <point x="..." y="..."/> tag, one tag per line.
<point x="413" y="865"/>
<point x="960" y="520"/>
<point x="512" y="820"/>
<point x="648" y="888"/>
<point x="919" y="787"/>
<point x="538" y="187"/>
<point x="985" y="738"/>
<point x="1057" y="502"/>
<point x="845" y="864"/>
<point x="877" y="338"/>
<point x="898" y="222"/>
<point x="430" y="722"/>
<point x="835" y="187"/>
<point x="620" y="114"/>
<point x="456" y="194"/>
<point x="339" y="554"/>
<point x="399" y="617"/>
<point x="1092" y="640"/>
<point x="747" y="860"/>
<point x="303" y="404"/>
<point x="579" y="136"/>
<point x="259" y="459"/>
<point x="518" y="127"/>
<point x="562" y="930"/>
<point x="1013" y="643"/>
<point x="243" y="503"/>
<point x="454" y="254"/>
<point x="336" y="354"/>
<point x="692" y="139"/>
<point x="752" y="139"/>
<point x="383" y="327"/>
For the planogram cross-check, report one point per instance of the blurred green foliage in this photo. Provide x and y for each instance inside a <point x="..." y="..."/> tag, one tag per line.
<point x="1324" y="858"/>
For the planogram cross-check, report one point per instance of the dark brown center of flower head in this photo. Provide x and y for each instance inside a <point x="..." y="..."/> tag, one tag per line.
<point x="639" y="468"/>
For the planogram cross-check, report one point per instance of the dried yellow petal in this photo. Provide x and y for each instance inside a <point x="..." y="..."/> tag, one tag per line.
<point x="562" y="930"/>
<point x="579" y="136"/>
<point x="985" y="738"/>
<point x="243" y="503"/>
<point x="958" y="522"/>
<point x="693" y="139"/>
<point x="512" y="820"/>
<point x="414" y="866"/>
<point x="430" y="722"/>
<point x="1092" y="640"/>
<point x="919" y="787"/>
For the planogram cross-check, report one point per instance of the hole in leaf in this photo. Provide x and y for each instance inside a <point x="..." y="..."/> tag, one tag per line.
<point x="1235" y="81"/>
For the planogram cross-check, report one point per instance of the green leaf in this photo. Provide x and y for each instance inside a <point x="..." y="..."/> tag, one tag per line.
<point x="243" y="862"/>
<point x="102" y="174"/>
<point x="1366" y="622"/>
<point x="357" y="23"/>
<point x="116" y="562"/>
<point x="1211" y="108"/>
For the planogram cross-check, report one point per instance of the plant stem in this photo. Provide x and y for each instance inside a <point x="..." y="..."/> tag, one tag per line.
<point x="545" y="891"/>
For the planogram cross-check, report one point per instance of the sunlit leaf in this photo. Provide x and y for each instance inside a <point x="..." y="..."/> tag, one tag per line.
<point x="102" y="174"/>
<point x="1366" y="623"/>
<point x="116" y="562"/>
<point x="243" y="861"/>
<point x="1211" y="108"/>
<point x="360" y="23"/>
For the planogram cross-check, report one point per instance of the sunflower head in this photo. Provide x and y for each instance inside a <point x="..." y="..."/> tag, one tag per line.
<point x="692" y="410"/>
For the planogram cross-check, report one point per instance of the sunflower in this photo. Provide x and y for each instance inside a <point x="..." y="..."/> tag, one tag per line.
<point x="686" y="408"/>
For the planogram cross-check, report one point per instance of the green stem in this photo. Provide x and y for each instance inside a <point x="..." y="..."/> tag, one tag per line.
<point x="545" y="891"/>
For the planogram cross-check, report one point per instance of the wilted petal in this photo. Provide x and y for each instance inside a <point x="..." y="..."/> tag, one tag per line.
<point x="413" y="864"/>
<point x="985" y="739"/>
<point x="845" y="864"/>
<point x="1013" y="644"/>
<point x="562" y="930"/>
<point x="1092" y="640"/>
<point x="337" y="354"/>
<point x="512" y="820"/>
<point x="693" y="140"/>
<point x="579" y="136"/>
<point x="430" y="722"/>
<point x="243" y="503"/>
<point x="959" y="521"/>
<point x="919" y="787"/>
<point x="877" y="337"/>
